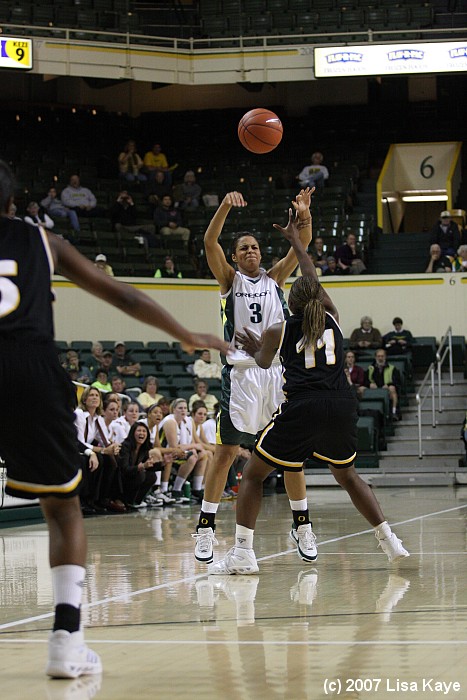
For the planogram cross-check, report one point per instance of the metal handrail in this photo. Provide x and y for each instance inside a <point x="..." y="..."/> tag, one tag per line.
<point x="446" y="344"/>
<point x="430" y="374"/>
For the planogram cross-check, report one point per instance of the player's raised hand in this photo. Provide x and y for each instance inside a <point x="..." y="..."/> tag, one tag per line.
<point x="290" y="232"/>
<point x="249" y="342"/>
<point x="302" y="201"/>
<point x="234" y="199"/>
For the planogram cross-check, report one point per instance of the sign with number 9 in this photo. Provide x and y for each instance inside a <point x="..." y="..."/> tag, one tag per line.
<point x="16" y="53"/>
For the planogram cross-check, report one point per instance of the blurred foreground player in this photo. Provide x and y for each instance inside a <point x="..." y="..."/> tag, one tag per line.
<point x="44" y="462"/>
<point x="318" y="418"/>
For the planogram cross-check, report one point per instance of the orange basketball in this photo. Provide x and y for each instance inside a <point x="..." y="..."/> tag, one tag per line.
<point x="260" y="130"/>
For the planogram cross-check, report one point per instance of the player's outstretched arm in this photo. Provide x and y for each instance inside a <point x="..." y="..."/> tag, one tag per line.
<point x="132" y="301"/>
<point x="284" y="268"/>
<point x="292" y="233"/>
<point x="220" y="268"/>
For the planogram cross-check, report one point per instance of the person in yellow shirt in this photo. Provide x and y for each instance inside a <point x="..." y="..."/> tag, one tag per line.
<point x="155" y="161"/>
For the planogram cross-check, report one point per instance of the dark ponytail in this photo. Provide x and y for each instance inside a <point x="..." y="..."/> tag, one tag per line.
<point x="304" y="298"/>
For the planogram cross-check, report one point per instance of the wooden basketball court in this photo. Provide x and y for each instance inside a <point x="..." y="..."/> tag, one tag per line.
<point x="350" y="625"/>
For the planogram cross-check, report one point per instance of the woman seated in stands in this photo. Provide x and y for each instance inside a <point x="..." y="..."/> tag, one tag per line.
<point x="177" y="430"/>
<point x="149" y="394"/>
<point x="201" y="389"/>
<point x="199" y="413"/>
<point x="138" y="468"/>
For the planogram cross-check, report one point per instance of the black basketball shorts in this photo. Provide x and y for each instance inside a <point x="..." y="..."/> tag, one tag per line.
<point x="322" y="427"/>
<point x="37" y="433"/>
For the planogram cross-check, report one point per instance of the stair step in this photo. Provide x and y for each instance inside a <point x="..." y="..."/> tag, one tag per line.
<point x="407" y="463"/>
<point x="429" y="447"/>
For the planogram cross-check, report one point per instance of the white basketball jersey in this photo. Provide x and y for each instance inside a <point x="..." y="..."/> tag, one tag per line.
<point x="254" y="303"/>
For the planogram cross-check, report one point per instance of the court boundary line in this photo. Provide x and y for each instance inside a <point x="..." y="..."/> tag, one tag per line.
<point x="187" y="579"/>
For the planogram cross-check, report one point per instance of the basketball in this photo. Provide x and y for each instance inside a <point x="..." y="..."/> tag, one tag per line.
<point x="260" y="130"/>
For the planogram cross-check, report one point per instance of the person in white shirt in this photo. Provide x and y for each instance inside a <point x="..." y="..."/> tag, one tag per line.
<point x="315" y="174"/>
<point x="34" y="217"/>
<point x="204" y="368"/>
<point x="121" y="426"/>
<point x="177" y="430"/>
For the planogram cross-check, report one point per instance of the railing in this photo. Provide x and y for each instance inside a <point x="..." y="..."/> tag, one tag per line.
<point x="427" y="387"/>
<point x="243" y="42"/>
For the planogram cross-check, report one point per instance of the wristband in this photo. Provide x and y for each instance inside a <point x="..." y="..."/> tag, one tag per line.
<point x="88" y="452"/>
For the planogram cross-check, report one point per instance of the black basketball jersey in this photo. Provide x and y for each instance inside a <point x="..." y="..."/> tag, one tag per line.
<point x="312" y="369"/>
<point x="26" y="266"/>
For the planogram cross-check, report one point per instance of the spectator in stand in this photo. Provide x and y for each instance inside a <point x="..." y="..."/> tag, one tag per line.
<point x="35" y="217"/>
<point x="204" y="368"/>
<point x="168" y="220"/>
<point x="399" y="341"/>
<point x="72" y="361"/>
<point x="123" y="362"/>
<point x="381" y="375"/>
<point x="156" y="161"/>
<point x="169" y="270"/>
<point x="349" y="257"/>
<point x="201" y="389"/>
<point x="81" y="199"/>
<point x="124" y="219"/>
<point x="354" y="372"/>
<point x="318" y="254"/>
<point x="332" y="268"/>
<point x="101" y="262"/>
<point x="95" y="359"/>
<point x="102" y="381"/>
<point x="149" y="394"/>
<point x="119" y="386"/>
<point x="54" y="207"/>
<point x="105" y="363"/>
<point x="438" y="262"/>
<point x="156" y="190"/>
<point x="459" y="263"/>
<point x="446" y="234"/>
<point x="315" y="174"/>
<point x="11" y="212"/>
<point x="130" y="164"/>
<point x="366" y="337"/>
<point x="190" y="191"/>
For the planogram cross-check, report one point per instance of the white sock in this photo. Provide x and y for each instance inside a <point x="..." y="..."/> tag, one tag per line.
<point x="299" y="505"/>
<point x="244" y="537"/>
<point x="383" y="531"/>
<point x="178" y="483"/>
<point x="164" y="486"/>
<point x="67" y="584"/>
<point x="198" y="483"/>
<point x="158" y="479"/>
<point x="208" y="507"/>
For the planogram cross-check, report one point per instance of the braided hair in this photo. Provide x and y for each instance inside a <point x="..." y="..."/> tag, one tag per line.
<point x="304" y="299"/>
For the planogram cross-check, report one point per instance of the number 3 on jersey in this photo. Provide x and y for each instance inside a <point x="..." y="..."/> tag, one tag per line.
<point x="9" y="292"/>
<point x="327" y="341"/>
<point x="256" y="316"/>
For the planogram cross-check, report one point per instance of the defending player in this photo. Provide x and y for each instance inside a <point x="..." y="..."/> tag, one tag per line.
<point x="43" y="462"/>
<point x="251" y="297"/>
<point x="318" y="418"/>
